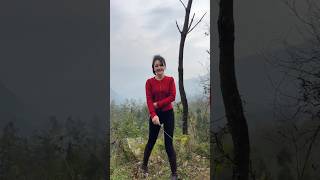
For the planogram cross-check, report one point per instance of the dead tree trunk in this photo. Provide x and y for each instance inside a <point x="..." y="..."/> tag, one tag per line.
<point x="233" y="106"/>
<point x="185" y="30"/>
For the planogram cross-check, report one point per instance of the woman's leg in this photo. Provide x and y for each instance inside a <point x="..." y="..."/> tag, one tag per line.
<point x="169" y="128"/>
<point x="153" y="135"/>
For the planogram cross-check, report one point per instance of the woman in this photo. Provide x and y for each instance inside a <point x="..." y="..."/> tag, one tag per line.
<point x="160" y="93"/>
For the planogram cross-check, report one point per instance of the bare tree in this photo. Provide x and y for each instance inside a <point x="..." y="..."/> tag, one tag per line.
<point x="187" y="28"/>
<point x="233" y="105"/>
<point x="300" y="129"/>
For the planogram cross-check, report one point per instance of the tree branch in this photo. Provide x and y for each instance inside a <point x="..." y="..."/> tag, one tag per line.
<point x="189" y="30"/>
<point x="178" y="27"/>
<point x="309" y="150"/>
<point x="292" y="7"/>
<point x="183" y="4"/>
<point x="191" y="20"/>
<point x="220" y="148"/>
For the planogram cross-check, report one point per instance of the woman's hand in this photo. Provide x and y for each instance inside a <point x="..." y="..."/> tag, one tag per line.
<point x="155" y="105"/>
<point x="155" y="120"/>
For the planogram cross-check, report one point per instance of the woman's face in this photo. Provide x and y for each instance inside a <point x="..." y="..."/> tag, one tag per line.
<point x="158" y="67"/>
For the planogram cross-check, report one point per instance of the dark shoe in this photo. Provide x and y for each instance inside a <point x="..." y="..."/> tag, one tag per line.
<point x="174" y="176"/>
<point x="144" y="169"/>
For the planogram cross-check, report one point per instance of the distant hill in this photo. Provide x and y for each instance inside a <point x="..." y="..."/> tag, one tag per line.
<point x="10" y="105"/>
<point x="193" y="89"/>
<point x="114" y="96"/>
<point x="254" y="79"/>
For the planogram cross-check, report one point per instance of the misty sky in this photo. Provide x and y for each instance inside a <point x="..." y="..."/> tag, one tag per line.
<point x="140" y="29"/>
<point x="259" y="25"/>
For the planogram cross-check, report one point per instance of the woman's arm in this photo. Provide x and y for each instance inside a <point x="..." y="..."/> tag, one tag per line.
<point x="149" y="100"/>
<point x="171" y="97"/>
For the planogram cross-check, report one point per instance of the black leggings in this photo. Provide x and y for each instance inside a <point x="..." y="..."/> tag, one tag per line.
<point x="166" y="118"/>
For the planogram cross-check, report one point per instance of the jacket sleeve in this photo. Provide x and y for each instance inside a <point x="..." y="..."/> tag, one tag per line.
<point x="172" y="95"/>
<point x="149" y="100"/>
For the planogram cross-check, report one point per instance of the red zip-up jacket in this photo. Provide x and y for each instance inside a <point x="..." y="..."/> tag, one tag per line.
<point x="161" y="91"/>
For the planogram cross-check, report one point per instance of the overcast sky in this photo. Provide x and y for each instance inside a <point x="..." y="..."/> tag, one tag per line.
<point x="140" y="29"/>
